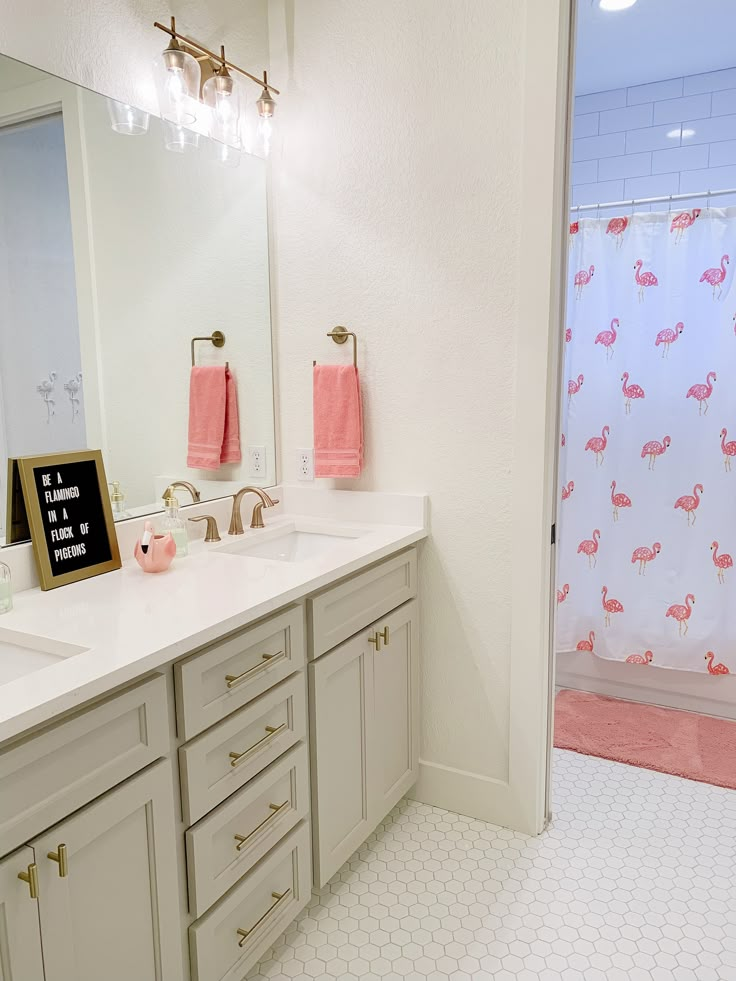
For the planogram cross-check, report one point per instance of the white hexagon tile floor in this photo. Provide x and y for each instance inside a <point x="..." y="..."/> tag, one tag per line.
<point x="633" y="881"/>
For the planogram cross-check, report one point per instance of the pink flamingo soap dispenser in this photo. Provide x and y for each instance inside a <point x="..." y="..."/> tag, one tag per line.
<point x="154" y="553"/>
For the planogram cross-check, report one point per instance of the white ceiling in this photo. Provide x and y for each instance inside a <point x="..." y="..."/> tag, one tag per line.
<point x="652" y="40"/>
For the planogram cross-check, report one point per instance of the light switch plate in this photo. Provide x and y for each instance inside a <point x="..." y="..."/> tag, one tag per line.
<point x="256" y="461"/>
<point x="305" y="464"/>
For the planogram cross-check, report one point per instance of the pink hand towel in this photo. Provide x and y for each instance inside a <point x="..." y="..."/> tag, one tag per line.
<point x="214" y="433"/>
<point x="338" y="421"/>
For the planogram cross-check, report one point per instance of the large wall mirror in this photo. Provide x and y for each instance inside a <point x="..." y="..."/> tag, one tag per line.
<point x="115" y="251"/>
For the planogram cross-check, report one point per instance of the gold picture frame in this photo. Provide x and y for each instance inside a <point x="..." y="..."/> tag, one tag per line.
<point x="60" y="548"/>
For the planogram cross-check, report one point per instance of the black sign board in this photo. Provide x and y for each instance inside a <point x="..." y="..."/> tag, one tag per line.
<point x="69" y="514"/>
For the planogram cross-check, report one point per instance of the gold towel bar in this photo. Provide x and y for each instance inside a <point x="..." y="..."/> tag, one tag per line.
<point x="216" y="338"/>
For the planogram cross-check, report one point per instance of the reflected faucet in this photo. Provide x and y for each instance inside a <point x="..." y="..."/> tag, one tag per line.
<point x="169" y="492"/>
<point x="256" y="521"/>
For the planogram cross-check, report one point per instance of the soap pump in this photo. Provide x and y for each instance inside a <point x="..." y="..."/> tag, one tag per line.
<point x="173" y="523"/>
<point x="117" y="500"/>
<point x="6" y="589"/>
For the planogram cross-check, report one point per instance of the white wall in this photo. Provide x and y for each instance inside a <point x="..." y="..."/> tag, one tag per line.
<point x="675" y="136"/>
<point x="415" y="186"/>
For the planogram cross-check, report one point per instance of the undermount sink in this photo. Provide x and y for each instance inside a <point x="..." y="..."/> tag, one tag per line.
<point x="22" y="654"/>
<point x="290" y="546"/>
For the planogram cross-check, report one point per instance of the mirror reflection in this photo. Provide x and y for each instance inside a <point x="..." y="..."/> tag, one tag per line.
<point x="120" y="241"/>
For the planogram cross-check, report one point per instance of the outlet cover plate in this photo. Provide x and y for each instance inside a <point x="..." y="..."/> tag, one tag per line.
<point x="256" y="461"/>
<point x="305" y="464"/>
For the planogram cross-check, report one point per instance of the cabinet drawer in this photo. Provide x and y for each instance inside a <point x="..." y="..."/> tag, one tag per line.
<point x="223" y="846"/>
<point x="260" y="907"/>
<point x="216" y="681"/>
<point x="217" y="763"/>
<point x="341" y="611"/>
<point x="51" y="773"/>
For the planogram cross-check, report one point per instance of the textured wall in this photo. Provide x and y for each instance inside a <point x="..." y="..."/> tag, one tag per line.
<point x="396" y="203"/>
<point x="109" y="45"/>
<point x="676" y="136"/>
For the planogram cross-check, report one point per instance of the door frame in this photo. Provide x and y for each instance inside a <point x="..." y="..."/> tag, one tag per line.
<point x="545" y="163"/>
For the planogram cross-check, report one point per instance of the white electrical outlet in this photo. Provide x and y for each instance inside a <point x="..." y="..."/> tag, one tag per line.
<point x="256" y="461"/>
<point x="305" y="464"/>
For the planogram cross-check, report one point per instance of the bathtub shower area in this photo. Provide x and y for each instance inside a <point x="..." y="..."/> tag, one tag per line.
<point x="646" y="543"/>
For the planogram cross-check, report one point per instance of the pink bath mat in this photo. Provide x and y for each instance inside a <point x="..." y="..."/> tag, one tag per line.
<point x="698" y="747"/>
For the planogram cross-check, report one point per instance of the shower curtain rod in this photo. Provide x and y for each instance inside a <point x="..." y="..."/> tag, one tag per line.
<point x="665" y="199"/>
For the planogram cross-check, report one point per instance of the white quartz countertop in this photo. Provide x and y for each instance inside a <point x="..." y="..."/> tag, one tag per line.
<point x="131" y="623"/>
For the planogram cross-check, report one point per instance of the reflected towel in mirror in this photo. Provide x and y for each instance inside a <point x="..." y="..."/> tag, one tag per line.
<point x="214" y="428"/>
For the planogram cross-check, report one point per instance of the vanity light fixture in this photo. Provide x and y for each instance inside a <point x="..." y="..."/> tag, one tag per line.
<point x="179" y="91"/>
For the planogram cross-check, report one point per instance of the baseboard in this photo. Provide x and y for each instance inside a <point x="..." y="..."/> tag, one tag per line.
<point x="689" y="693"/>
<point x="475" y="796"/>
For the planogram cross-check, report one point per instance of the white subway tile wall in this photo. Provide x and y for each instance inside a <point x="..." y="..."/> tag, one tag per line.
<point x="677" y="136"/>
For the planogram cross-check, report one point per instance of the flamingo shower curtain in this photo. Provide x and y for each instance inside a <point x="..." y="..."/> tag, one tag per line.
<point x="647" y="514"/>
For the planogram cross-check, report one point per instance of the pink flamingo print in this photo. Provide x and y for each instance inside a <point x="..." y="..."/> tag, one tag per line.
<point x="681" y="613"/>
<point x="643" y="280"/>
<point x="668" y="336"/>
<point x="582" y="279"/>
<point x="568" y="335"/>
<point x="597" y="445"/>
<point x="586" y="645"/>
<point x="574" y="229"/>
<point x="617" y="227"/>
<point x="562" y="439"/>
<point x="608" y="338"/>
<point x="573" y="387"/>
<point x="610" y="606"/>
<point x="646" y="658"/>
<point x="642" y="555"/>
<point x="690" y="503"/>
<point x="589" y="547"/>
<point x="653" y="449"/>
<point x="630" y="392"/>
<point x="563" y="593"/>
<point x="702" y="392"/>
<point x="568" y="489"/>
<point x="721" y="562"/>
<point x="729" y="449"/>
<point x="618" y="500"/>
<point x="715" y="668"/>
<point x="682" y="221"/>
<point x="734" y="323"/>
<point x="715" y="277"/>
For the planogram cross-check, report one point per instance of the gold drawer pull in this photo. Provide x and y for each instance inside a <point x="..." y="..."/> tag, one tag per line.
<point x="376" y="638"/>
<point x="31" y="877"/>
<point x="62" y="858"/>
<point x="279" y="897"/>
<point x="233" y="680"/>
<point x="276" y="809"/>
<point x="237" y="758"/>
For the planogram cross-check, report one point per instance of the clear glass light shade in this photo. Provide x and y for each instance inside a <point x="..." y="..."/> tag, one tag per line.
<point x="179" y="139"/>
<point x="228" y="156"/>
<point x="177" y="78"/>
<point x="127" y="119"/>
<point x="264" y="131"/>
<point x="223" y="95"/>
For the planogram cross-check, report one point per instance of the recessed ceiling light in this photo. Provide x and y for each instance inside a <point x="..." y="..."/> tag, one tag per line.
<point x="615" y="4"/>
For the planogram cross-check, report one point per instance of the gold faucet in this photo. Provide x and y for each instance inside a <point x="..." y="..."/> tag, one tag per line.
<point x="236" y="520"/>
<point x="169" y="492"/>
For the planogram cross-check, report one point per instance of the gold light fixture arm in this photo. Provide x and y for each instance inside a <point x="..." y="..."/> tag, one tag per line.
<point x="190" y="42"/>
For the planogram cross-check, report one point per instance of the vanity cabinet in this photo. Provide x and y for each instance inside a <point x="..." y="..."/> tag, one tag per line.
<point x="20" y="934"/>
<point x="365" y="730"/>
<point x="108" y="898"/>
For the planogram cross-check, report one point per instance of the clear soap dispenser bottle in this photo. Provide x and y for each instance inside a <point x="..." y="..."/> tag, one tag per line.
<point x="173" y="523"/>
<point x="117" y="501"/>
<point x="6" y="589"/>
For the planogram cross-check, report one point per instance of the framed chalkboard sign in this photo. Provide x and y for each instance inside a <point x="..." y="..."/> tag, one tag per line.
<point x="69" y="514"/>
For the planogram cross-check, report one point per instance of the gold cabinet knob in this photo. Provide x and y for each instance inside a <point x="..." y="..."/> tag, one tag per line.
<point x="378" y="637"/>
<point x="31" y="877"/>
<point x="60" y="856"/>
